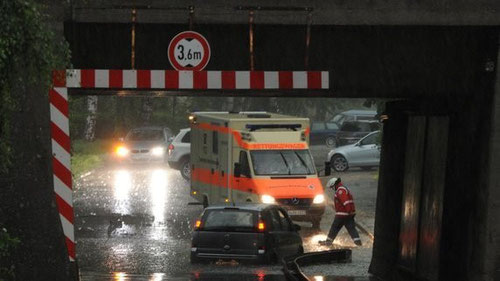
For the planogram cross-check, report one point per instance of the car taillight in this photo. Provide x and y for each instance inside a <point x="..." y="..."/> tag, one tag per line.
<point x="261" y="226"/>
<point x="170" y="149"/>
<point x="197" y="224"/>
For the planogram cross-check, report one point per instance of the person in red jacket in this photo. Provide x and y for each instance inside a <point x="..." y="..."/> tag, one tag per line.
<point x="344" y="213"/>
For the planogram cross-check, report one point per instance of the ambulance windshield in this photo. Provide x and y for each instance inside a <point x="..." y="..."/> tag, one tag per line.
<point x="282" y="162"/>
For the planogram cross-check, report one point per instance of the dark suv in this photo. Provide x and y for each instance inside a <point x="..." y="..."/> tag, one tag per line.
<point x="352" y="131"/>
<point x="261" y="233"/>
<point x="323" y="133"/>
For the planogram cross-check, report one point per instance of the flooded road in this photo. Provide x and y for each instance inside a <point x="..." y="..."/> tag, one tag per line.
<point x="134" y="220"/>
<point x="135" y="224"/>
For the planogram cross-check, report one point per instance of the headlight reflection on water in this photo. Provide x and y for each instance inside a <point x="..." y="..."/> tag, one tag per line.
<point x="122" y="276"/>
<point x="119" y="276"/>
<point x="157" y="277"/>
<point x="130" y="190"/>
<point x="158" y="190"/>
<point x="122" y="184"/>
<point x="121" y="187"/>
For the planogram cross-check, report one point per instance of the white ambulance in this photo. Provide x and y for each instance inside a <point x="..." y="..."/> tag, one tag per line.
<point x="255" y="157"/>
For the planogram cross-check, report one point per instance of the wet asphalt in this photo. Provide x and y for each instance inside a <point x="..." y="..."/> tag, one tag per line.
<point x="134" y="223"/>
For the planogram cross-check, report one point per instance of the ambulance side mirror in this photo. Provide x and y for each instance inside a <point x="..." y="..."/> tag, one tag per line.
<point x="328" y="169"/>
<point x="237" y="170"/>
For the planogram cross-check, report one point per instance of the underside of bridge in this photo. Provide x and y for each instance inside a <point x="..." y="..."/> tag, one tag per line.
<point x="438" y="205"/>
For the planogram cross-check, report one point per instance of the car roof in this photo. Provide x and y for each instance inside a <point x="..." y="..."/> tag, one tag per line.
<point x="359" y="112"/>
<point x="362" y="121"/>
<point x="242" y="206"/>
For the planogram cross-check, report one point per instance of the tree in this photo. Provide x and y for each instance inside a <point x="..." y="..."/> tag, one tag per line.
<point x="91" y="118"/>
<point x="29" y="51"/>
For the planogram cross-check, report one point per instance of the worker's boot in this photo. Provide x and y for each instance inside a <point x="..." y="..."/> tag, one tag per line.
<point x="357" y="241"/>
<point x="327" y="242"/>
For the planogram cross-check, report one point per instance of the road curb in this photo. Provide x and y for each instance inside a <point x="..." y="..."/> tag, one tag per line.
<point x="292" y="265"/>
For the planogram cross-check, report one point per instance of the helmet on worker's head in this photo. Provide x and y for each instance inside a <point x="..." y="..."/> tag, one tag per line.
<point x="332" y="182"/>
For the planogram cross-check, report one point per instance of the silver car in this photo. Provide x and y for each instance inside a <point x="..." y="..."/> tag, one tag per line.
<point x="179" y="152"/>
<point x="365" y="154"/>
<point x="144" y="144"/>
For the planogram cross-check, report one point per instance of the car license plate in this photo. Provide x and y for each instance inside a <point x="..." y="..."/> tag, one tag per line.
<point x="297" y="212"/>
<point x="139" y="157"/>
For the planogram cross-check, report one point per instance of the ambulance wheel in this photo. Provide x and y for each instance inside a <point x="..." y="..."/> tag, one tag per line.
<point x="185" y="169"/>
<point x="339" y="163"/>
<point x="205" y="202"/>
<point x="316" y="223"/>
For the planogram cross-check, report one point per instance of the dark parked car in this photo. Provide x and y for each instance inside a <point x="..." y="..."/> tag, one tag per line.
<point x="352" y="131"/>
<point x="323" y="133"/>
<point x="261" y="233"/>
<point x="354" y="115"/>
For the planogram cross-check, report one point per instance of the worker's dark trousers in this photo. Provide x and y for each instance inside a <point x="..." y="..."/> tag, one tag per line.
<point x="340" y="221"/>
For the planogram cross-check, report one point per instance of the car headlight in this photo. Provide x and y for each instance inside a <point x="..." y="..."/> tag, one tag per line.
<point x="122" y="151"/>
<point x="267" y="199"/>
<point x="318" y="199"/>
<point x="157" y="151"/>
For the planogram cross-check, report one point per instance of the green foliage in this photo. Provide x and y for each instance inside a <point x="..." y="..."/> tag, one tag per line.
<point x="96" y="147"/>
<point x="116" y="115"/>
<point x="88" y="155"/>
<point x="7" y="245"/>
<point x="82" y="163"/>
<point x="29" y="51"/>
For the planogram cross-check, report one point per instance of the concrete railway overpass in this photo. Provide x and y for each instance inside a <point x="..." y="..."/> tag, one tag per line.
<point x="439" y="190"/>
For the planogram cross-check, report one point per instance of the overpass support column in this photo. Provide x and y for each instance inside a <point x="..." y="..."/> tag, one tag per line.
<point x="490" y="269"/>
<point x="390" y="192"/>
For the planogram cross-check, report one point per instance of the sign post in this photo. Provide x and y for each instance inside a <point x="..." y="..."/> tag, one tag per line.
<point x="189" y="50"/>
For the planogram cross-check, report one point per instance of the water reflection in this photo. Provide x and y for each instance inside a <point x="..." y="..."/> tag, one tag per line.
<point x="158" y="187"/>
<point x="341" y="241"/>
<point x="119" y="276"/>
<point x="157" y="277"/>
<point x="121" y="187"/>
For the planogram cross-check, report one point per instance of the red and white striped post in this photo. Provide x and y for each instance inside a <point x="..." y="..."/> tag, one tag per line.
<point x="147" y="79"/>
<point x="61" y="162"/>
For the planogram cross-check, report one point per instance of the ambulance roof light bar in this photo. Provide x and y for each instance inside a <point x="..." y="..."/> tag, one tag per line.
<point x="227" y="112"/>
<point x="254" y="127"/>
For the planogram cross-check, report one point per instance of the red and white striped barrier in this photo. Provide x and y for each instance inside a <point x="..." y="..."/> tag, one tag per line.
<point x="192" y="80"/>
<point x="61" y="163"/>
<point x="147" y="79"/>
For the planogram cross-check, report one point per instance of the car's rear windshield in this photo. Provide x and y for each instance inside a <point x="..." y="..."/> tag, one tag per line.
<point x="186" y="138"/>
<point x="229" y="220"/>
<point x="145" y="135"/>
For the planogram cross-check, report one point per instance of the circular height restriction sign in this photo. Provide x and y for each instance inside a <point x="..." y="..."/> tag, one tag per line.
<point x="189" y="50"/>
